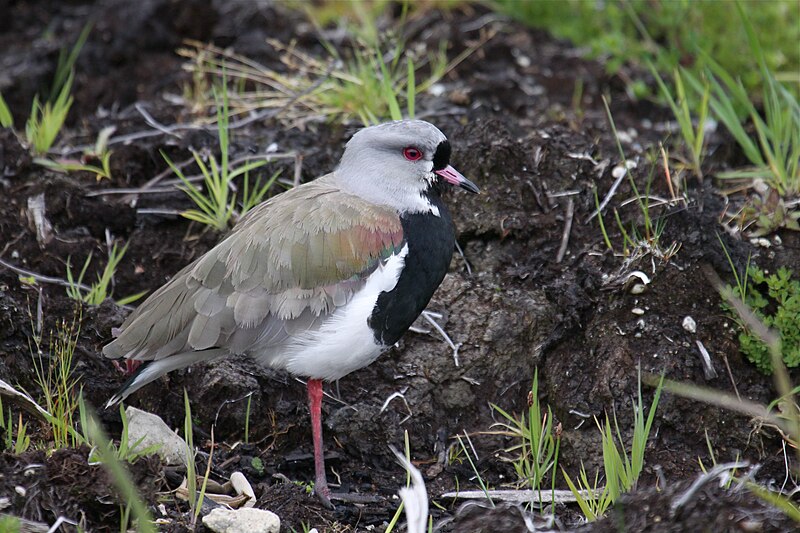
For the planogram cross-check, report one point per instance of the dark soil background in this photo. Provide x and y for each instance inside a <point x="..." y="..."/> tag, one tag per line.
<point x="519" y="132"/>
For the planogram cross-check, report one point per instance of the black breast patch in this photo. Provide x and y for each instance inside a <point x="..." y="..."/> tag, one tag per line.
<point x="431" y="241"/>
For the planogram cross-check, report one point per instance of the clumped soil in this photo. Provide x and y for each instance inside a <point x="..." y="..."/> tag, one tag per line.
<point x="536" y="147"/>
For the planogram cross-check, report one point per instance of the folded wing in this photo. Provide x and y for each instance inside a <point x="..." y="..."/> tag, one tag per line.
<point x="289" y="263"/>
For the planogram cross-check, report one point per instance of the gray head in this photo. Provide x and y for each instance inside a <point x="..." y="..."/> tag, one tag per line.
<point x="398" y="164"/>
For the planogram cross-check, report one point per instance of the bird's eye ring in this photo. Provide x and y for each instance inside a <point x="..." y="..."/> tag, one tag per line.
<point x="412" y="154"/>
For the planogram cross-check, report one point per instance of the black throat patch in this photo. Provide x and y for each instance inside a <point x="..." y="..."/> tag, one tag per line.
<point x="441" y="158"/>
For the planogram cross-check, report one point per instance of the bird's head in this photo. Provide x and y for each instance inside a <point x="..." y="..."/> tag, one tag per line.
<point x="400" y="164"/>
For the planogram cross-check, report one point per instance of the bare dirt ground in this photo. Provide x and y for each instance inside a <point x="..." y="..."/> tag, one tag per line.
<point x="534" y="147"/>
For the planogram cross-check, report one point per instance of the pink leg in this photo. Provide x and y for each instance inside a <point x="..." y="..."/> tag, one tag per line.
<point x="315" y="406"/>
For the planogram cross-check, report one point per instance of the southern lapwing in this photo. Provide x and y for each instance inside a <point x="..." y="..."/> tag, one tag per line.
<point x="318" y="280"/>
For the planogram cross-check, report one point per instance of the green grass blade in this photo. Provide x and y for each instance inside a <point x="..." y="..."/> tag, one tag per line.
<point x="6" y="119"/>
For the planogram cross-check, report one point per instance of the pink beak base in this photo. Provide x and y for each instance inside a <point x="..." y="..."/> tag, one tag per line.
<point x="454" y="177"/>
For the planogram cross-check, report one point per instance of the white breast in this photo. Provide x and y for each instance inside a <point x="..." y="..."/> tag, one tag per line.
<point x="344" y="342"/>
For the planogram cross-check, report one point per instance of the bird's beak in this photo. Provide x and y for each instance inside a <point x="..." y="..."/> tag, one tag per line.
<point x="453" y="176"/>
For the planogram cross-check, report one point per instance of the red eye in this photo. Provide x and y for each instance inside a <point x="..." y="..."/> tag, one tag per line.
<point x="412" y="154"/>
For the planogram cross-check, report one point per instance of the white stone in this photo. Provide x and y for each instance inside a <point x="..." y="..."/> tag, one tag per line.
<point x="637" y="311"/>
<point x="689" y="324"/>
<point x="154" y="431"/>
<point x="245" y="520"/>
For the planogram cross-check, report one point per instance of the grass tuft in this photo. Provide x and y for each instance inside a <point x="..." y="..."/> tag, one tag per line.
<point x="692" y="131"/>
<point x="54" y="377"/>
<point x="17" y="440"/>
<point x="621" y="469"/>
<point x="535" y="452"/>
<point x="47" y="118"/>
<point x="100" y="289"/>
<point x="216" y="206"/>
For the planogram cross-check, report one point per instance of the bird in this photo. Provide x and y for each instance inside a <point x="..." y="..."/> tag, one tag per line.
<point x="318" y="280"/>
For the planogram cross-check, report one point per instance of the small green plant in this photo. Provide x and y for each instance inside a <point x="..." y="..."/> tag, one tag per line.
<point x="455" y="455"/>
<point x="216" y="205"/>
<point x="258" y="465"/>
<point x="621" y="469"/>
<point x="307" y="486"/>
<point x="22" y="441"/>
<point x="46" y="120"/>
<point x="599" y="500"/>
<point x="304" y="526"/>
<point x="740" y="277"/>
<point x="692" y="131"/>
<point x="55" y="378"/>
<point x="100" y="289"/>
<point x="535" y="452"/>
<point x="778" y="309"/>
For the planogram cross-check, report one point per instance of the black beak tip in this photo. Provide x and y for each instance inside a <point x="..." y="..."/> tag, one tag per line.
<point x="470" y="187"/>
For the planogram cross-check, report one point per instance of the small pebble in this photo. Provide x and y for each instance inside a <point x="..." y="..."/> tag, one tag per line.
<point x="437" y="89"/>
<point x="624" y="137"/>
<point x="637" y="311"/>
<point x="689" y="324"/>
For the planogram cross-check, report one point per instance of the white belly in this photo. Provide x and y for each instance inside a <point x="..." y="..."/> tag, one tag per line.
<point x="344" y="342"/>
